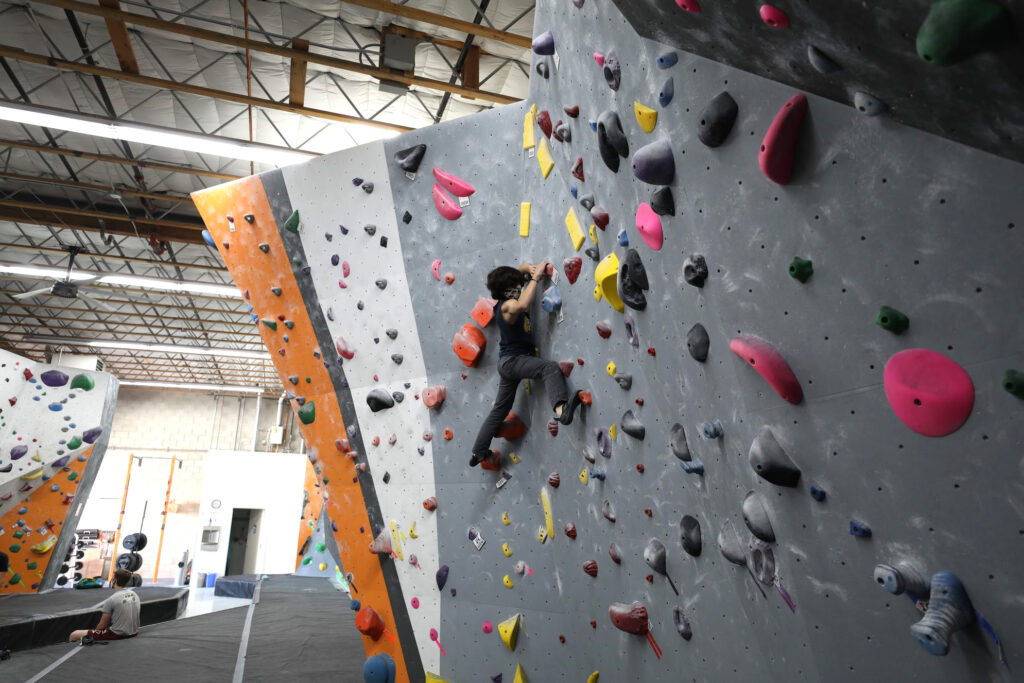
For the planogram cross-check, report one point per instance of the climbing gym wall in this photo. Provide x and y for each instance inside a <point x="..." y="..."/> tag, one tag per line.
<point x="804" y="365"/>
<point x="54" y="427"/>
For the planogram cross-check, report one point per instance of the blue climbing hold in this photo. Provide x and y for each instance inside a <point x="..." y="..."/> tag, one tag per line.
<point x="574" y="191"/>
<point x="666" y="92"/>
<point x="668" y="59"/>
<point x="208" y="238"/>
<point x="859" y="529"/>
<point x="694" y="466"/>
<point x="355" y="605"/>
<point x="712" y="430"/>
<point x="552" y="300"/>
<point x="593" y="125"/>
<point x="623" y="238"/>
<point x="380" y="668"/>
<point x="817" y="493"/>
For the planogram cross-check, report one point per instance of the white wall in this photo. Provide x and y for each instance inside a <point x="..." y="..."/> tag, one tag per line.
<point x="271" y="482"/>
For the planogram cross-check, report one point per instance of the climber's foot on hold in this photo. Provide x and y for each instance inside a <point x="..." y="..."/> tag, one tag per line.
<point x="478" y="458"/>
<point x="565" y="415"/>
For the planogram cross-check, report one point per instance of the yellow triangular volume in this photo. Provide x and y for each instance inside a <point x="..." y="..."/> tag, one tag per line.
<point x="434" y="678"/>
<point x="572" y="224"/>
<point x="509" y="631"/>
<point x="645" y="116"/>
<point x="520" y="676"/>
<point x="544" y="158"/>
<point x="529" y="138"/>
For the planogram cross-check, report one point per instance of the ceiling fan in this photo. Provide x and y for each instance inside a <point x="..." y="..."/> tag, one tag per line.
<point x="66" y="288"/>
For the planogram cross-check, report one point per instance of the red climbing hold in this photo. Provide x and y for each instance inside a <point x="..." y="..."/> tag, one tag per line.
<point x="430" y="503"/>
<point x="27" y="373"/>
<point x="566" y="367"/>
<point x="649" y="512"/>
<point x="639" y="402"/>
<point x="341" y="445"/>
<point x="774" y="17"/>
<point x="376" y="441"/>
<point x="570" y="530"/>
<point x="629" y="618"/>
<point x="457" y="186"/>
<point x="393" y="439"/>
<point x="779" y="145"/>
<point x="344" y="350"/>
<point x="599" y="217"/>
<point x="12" y="400"/>
<point x="345" y="269"/>
<point x="572" y="267"/>
<point x="770" y="364"/>
<point x="554" y="480"/>
<point x="929" y="392"/>
<point x="369" y="623"/>
<point x="577" y="169"/>
<point x="449" y="278"/>
<point x="604" y="329"/>
<point x="585" y="397"/>
<point x="469" y="345"/>
<point x="640" y="469"/>
<point x="434" y="396"/>
<point x="572" y="111"/>
<point x="689" y="6"/>
<point x="553" y="427"/>
<point x="492" y="463"/>
<point x="544" y="121"/>
<point x="590" y="567"/>
<point x="651" y="351"/>
<point x="650" y="578"/>
<point x="445" y="206"/>
<point x="513" y="427"/>
<point x="449" y="435"/>
<point x="579" y="361"/>
<point x="483" y="311"/>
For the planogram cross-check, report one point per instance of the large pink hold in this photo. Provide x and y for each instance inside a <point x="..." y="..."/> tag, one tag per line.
<point x="648" y="224"/>
<point x="445" y="206"/>
<point x="457" y="186"/>
<point x="779" y="145"/>
<point x="929" y="392"/>
<point x="689" y="6"/>
<point x="774" y="17"/>
<point x="770" y="364"/>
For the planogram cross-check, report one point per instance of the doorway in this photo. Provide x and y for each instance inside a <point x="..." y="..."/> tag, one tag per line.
<point x="243" y="542"/>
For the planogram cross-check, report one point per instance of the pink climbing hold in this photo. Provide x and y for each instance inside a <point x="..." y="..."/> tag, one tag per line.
<point x="434" y="396"/>
<point x="648" y="224"/>
<point x="689" y="6"/>
<point x="599" y="58"/>
<point x="345" y="269"/>
<point x="929" y="392"/>
<point x="445" y="206"/>
<point x="774" y="17"/>
<point x="435" y="269"/>
<point x="344" y="350"/>
<point x="415" y="602"/>
<point x="488" y="627"/>
<point x="770" y="364"/>
<point x="779" y="145"/>
<point x="457" y="186"/>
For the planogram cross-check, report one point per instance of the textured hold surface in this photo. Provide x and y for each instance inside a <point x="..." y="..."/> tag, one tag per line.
<point x="654" y="163"/>
<point x="695" y="270"/>
<point x="949" y="610"/>
<point x="611" y="141"/>
<point x="689" y="535"/>
<point x="892" y="320"/>
<point x="778" y="149"/>
<point x="698" y="343"/>
<point x="770" y="364"/>
<point x="771" y="462"/>
<point x="409" y="159"/>
<point x="755" y="514"/>
<point x="955" y="30"/>
<point x="869" y="105"/>
<point x="717" y="119"/>
<point x="929" y="392"/>
<point x="612" y="70"/>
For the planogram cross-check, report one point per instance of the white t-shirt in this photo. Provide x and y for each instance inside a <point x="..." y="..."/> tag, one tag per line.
<point x="123" y="608"/>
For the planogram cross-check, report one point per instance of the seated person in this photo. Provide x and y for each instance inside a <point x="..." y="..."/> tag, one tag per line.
<point x="120" y="613"/>
<point x="5" y="566"/>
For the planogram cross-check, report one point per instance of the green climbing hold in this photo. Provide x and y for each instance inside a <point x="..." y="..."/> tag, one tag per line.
<point x="84" y="382"/>
<point x="292" y="224"/>
<point x="309" y="381"/>
<point x="15" y="548"/>
<point x="15" y="579"/>
<point x="31" y="565"/>
<point x="326" y="480"/>
<point x="892" y="320"/>
<point x="307" y="413"/>
<point x="297" y="261"/>
<point x="307" y="559"/>
<point x="955" y="30"/>
<point x="269" y="322"/>
<point x="320" y="547"/>
<point x="74" y="443"/>
<point x="72" y="476"/>
<point x="19" y="534"/>
<point x="1013" y="382"/>
<point x="801" y="269"/>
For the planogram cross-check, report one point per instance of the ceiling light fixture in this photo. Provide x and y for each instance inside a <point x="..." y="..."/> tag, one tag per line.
<point x="156" y="348"/>
<point x="134" y="281"/>
<point x="217" y="388"/>
<point x="97" y="126"/>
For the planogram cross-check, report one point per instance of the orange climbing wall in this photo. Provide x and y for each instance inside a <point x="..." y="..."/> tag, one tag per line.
<point x="256" y="273"/>
<point x="311" y="512"/>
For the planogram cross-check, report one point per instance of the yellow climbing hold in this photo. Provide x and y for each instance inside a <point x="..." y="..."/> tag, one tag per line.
<point x="544" y="158"/>
<point x="396" y="536"/>
<point x="322" y="566"/>
<point x="504" y="519"/>
<point x="542" y="535"/>
<point x="505" y="549"/>
<point x="597" y="293"/>
<point x="509" y="630"/>
<point x="520" y="676"/>
<point x="607" y="274"/>
<point x="32" y="475"/>
<point x="593" y="232"/>
<point x="514" y="458"/>
<point x="612" y="433"/>
<point x="508" y="582"/>
<point x="585" y="476"/>
<point x="46" y="546"/>
<point x="645" y="116"/>
<point x="575" y="231"/>
<point x="524" y="219"/>
<point x="610" y="368"/>
<point x="412" y="531"/>
<point x="549" y="521"/>
<point x="592" y="678"/>
<point x="434" y="678"/>
<point x="529" y="124"/>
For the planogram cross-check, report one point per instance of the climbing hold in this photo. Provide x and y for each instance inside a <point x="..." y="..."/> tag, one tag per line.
<point x="276" y="291"/>
<point x="208" y="238"/>
<point x="645" y="116"/>
<point x="611" y="141"/>
<point x="778" y="148"/>
<point x="859" y="529"/>
<point x="572" y="224"/>
<point x="654" y="163"/>
<point x="430" y="503"/>
<point x="511" y="428"/>
<point x="529" y="136"/>
<point x="391" y="332"/>
<point x="624" y="381"/>
<point x="554" y="480"/>
<point x="292" y="224"/>
<point x="667" y="92"/>
<point x="656" y="558"/>
<point x="380" y="668"/>
<point x="508" y="630"/>
<point x="610" y="368"/>
<point x="577" y="168"/>
<point x="820" y="61"/>
<point x="955" y="30"/>
<point x="307" y="413"/>
<point x="53" y="378"/>
<point x="590" y="567"/>
<point x="441" y="576"/>
<point x="343" y="349"/>
<point x="612" y="70"/>
<point x="771" y="462"/>
<point x="623" y="239"/>
<point x="435" y="269"/>
<point x="615" y="553"/>
<point x="677" y="438"/>
<point x="587" y="201"/>
<point x="544" y="44"/>
<point x="573" y="111"/>
<point x="662" y="202"/>
<point x="690" y="6"/>
<point x="264" y="247"/>
<point x="369" y="623"/>
<point x="551" y="300"/>
<point x="370" y="230"/>
<point x="682" y="623"/>
<point x="648" y="224"/>
<point x="409" y="159"/>
<point x="892" y="320"/>
<point x="869" y="105"/>
<point x="570" y="530"/>
<point x="689" y="535"/>
<point x="544" y="121"/>
<point x="505" y="548"/>
<point x="469" y="345"/>
<point x="667" y="59"/>
<point x="605" y="331"/>
<point x="698" y="342"/>
<point x="631" y="333"/>
<point x="632" y="426"/>
<point x="357" y="181"/>
<point x="445" y="206"/>
<point x="1013" y="382"/>
<point x="367" y="188"/>
<point x="483" y="311"/>
<point x="379" y="399"/>
<point x="604" y="444"/>
<point x="449" y="278"/>
<point x="774" y="17"/>
<point x="572" y="267"/>
<point x="717" y="119"/>
<point x="87" y="383"/>
<point x="606" y="276"/>
<point x="406" y="217"/>
<point x="457" y="186"/>
<point x="695" y="270"/>
<point x="607" y="511"/>
<point x="729" y="544"/>
<point x="633" y="282"/>
<point x="755" y="514"/>
<point x="770" y="364"/>
<point x="381" y="283"/>
<point x="542" y="69"/>
<point x="902" y="578"/>
<point x="600" y="217"/>
<point x="929" y="392"/>
<point x="817" y="493"/>
<point x="801" y="269"/>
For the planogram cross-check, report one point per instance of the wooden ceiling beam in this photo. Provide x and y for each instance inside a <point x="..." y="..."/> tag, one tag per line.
<point x="120" y="39"/>
<point x="95" y="187"/>
<point x="444" y="21"/>
<point x="297" y="74"/>
<point x="111" y="224"/>
<point x="144" y="304"/>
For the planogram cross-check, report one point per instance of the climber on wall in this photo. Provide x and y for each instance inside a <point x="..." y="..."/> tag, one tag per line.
<point x="517" y="355"/>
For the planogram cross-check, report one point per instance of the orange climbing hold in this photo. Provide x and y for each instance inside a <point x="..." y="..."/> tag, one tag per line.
<point x="492" y="463"/>
<point x="369" y="623"/>
<point x="449" y="435"/>
<point x="483" y="311"/>
<point x="512" y="428"/>
<point x="434" y="396"/>
<point x="469" y="345"/>
<point x="585" y="397"/>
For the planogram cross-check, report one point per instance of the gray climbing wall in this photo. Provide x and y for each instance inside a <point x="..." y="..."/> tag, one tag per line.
<point x="889" y="215"/>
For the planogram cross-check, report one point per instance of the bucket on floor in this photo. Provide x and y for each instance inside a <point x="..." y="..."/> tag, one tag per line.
<point x="201" y="580"/>
<point x="211" y="580"/>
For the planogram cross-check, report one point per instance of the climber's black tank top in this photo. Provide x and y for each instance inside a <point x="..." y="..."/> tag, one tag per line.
<point x="517" y="338"/>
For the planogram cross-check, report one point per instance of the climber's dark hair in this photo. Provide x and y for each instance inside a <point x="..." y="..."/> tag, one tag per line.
<point x="502" y="279"/>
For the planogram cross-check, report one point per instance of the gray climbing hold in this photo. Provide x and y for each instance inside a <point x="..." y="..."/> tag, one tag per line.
<point x="397" y="358"/>
<point x="367" y="188"/>
<point x="677" y="437"/>
<point x="695" y="270"/>
<point x="689" y="535"/>
<point x="608" y="511"/>
<point x="264" y="247"/>
<point x="822" y="62"/>
<point x="294" y="379"/>
<point x="612" y="70"/>
<point x="381" y="283"/>
<point x="631" y="334"/>
<point x="717" y="119"/>
<point x="391" y="332"/>
<point x="667" y="60"/>
<point x="869" y="105"/>
<point x="755" y="514"/>
<point x="770" y="461"/>
<point x="682" y="623"/>
<point x="729" y="544"/>
<point x="371" y="230"/>
<point x="903" y="577"/>
<point x="276" y="291"/>
<point x="409" y="159"/>
<point x="625" y="381"/>
<point x="406" y="217"/>
<point x="398" y="396"/>
<point x="542" y="69"/>
<point x="698" y="342"/>
<point x="593" y="253"/>
<point x="761" y="561"/>
<point x="563" y="131"/>
<point x="632" y="426"/>
<point x="604" y="443"/>
<point x="656" y="558"/>
<point x="611" y="141"/>
<point x="663" y="203"/>
<point x="379" y="399"/>
<point x="587" y="201"/>
<point x="654" y="163"/>
<point x="544" y="44"/>
<point x="949" y="610"/>
<point x="667" y="92"/>
<point x="633" y="281"/>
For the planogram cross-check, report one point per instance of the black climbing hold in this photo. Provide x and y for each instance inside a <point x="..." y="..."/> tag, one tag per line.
<point x="612" y="70"/>
<point x="632" y="426"/>
<point x="682" y="623"/>
<point x="817" y="493"/>
<point x="397" y="358"/>
<point x="406" y="217"/>
<point x="409" y="159"/>
<point x="542" y="69"/>
<point x="801" y="269"/>
<point x="587" y="201"/>
<point x="1013" y="382"/>
<point x="387" y="477"/>
<point x="663" y="203"/>
<point x="624" y="381"/>
<point x="360" y="305"/>
<point x="367" y="188"/>
<point x="677" y="436"/>
<point x="869" y="105"/>
<point x="667" y="92"/>
<point x="717" y="119"/>
<point x="544" y="44"/>
<point x="391" y="332"/>
<point x="667" y="59"/>
<point x="633" y="281"/>
<point x="654" y="163"/>
<point x="292" y="224"/>
<point x="249" y="218"/>
<point x="294" y="379"/>
<point x="276" y="290"/>
<point x="264" y="247"/>
<point x="593" y="253"/>
<point x="695" y="270"/>
<point x="611" y="141"/>
<point x="955" y="30"/>
<point x="820" y="61"/>
<point x="892" y="320"/>
<point x="689" y="535"/>
<point x="384" y="241"/>
<point x="398" y="396"/>
<point x="755" y="514"/>
<point x="770" y="461"/>
<point x="381" y="283"/>
<point x="329" y="237"/>
<point x="698" y="342"/>
<point x="371" y="230"/>
<point x="378" y="399"/>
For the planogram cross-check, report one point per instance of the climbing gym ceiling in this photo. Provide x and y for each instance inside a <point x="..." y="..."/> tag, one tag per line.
<point x="296" y="78"/>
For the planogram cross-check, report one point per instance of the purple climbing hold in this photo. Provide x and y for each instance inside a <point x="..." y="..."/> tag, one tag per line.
<point x="631" y="334"/>
<point x="91" y="435"/>
<point x="357" y="181"/>
<point x="442" y="576"/>
<point x="655" y="164"/>
<point x="335" y="260"/>
<point x="544" y="44"/>
<point x="54" y="378"/>
<point x="60" y="462"/>
<point x="19" y="452"/>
